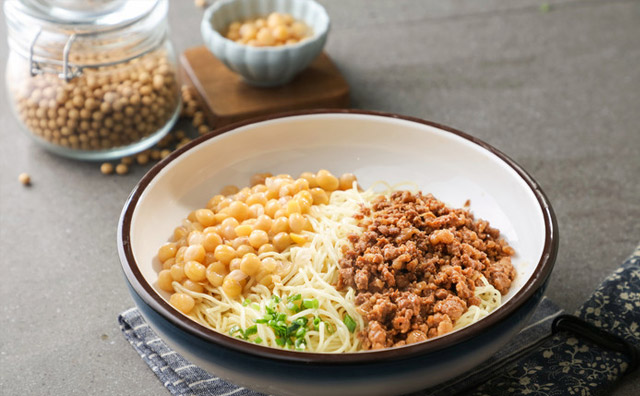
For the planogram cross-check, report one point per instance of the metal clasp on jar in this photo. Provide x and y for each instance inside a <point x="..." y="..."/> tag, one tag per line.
<point x="68" y="72"/>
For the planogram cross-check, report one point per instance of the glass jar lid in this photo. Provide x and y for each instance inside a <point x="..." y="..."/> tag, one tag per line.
<point x="65" y="36"/>
<point x="99" y="14"/>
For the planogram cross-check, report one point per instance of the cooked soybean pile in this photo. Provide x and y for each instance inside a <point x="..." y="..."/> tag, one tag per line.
<point x="318" y="264"/>
<point x="227" y="243"/>
<point x="274" y="30"/>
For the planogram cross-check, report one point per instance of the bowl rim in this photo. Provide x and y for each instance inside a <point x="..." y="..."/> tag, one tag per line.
<point x="207" y="26"/>
<point x="148" y="293"/>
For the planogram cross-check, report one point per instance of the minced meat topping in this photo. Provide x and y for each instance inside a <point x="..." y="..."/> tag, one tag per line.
<point x="416" y="265"/>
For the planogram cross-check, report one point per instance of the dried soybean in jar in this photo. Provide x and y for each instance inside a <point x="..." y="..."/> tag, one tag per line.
<point x="94" y="83"/>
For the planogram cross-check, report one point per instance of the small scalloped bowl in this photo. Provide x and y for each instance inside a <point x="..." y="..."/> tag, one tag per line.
<point x="264" y="66"/>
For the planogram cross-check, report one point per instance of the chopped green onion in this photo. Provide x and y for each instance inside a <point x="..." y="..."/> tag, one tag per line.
<point x="292" y="329"/>
<point x="301" y="332"/>
<point x="330" y="328"/>
<point x="294" y="298"/>
<point x="255" y="306"/>
<point x="294" y="326"/>
<point x="310" y="303"/>
<point x="234" y="330"/>
<point x="351" y="324"/>
<point x="246" y="302"/>
<point x="290" y="334"/>
<point x="258" y="340"/>
<point x="300" y="344"/>
<point x="251" y="331"/>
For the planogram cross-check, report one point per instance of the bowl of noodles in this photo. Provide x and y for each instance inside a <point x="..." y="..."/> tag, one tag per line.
<point x="341" y="251"/>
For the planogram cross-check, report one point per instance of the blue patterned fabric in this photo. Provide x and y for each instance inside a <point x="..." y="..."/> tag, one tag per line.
<point x="535" y="362"/>
<point x="566" y="365"/>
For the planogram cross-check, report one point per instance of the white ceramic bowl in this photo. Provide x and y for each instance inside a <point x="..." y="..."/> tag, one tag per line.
<point x="264" y="66"/>
<point x="375" y="146"/>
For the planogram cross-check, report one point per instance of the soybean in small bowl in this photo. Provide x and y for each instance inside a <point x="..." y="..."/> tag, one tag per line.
<point x="266" y="65"/>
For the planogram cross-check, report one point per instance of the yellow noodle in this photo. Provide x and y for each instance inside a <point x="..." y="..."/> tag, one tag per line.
<point x="490" y="299"/>
<point x="312" y="272"/>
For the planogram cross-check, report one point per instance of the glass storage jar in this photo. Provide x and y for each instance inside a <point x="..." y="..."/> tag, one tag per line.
<point x="92" y="79"/>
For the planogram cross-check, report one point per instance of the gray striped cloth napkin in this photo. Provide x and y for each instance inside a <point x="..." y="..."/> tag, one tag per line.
<point x="535" y="361"/>
<point x="178" y="375"/>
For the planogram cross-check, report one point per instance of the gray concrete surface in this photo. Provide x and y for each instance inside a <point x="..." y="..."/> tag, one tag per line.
<point x="558" y="91"/>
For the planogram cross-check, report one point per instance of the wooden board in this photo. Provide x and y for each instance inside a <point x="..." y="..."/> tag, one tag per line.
<point x="227" y="98"/>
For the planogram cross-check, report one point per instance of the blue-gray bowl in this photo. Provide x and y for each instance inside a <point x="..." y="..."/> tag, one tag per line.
<point x="374" y="146"/>
<point x="264" y="66"/>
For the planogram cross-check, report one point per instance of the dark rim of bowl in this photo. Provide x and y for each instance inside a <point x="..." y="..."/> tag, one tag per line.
<point x="159" y="304"/>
